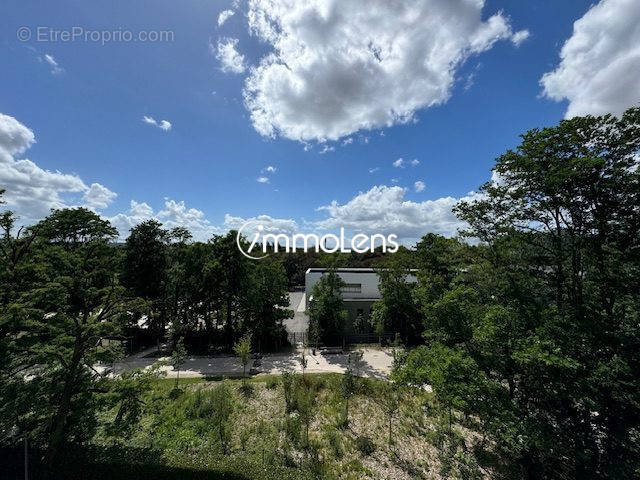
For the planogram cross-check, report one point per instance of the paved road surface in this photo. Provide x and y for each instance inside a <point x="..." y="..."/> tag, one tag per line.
<point x="375" y="363"/>
<point x="300" y="321"/>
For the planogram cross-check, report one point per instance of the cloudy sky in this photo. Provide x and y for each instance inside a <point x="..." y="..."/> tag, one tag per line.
<point x="374" y="115"/>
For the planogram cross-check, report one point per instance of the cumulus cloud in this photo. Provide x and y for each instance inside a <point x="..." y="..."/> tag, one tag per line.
<point x="231" y="61"/>
<point x="262" y="179"/>
<point x="174" y="214"/>
<point x="98" y="196"/>
<point x="519" y="37"/>
<point x="31" y="191"/>
<point x="419" y="186"/>
<point x="374" y="169"/>
<point x="599" y="70"/>
<point x="224" y="16"/>
<point x="56" y="69"/>
<point x="383" y="209"/>
<point x="269" y="169"/>
<point x="162" y="125"/>
<point x="399" y="163"/>
<point x="338" y="67"/>
<point x="415" y="162"/>
<point x="269" y="224"/>
<point x="15" y="138"/>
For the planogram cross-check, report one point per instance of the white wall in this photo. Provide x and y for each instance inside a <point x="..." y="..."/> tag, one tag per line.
<point x="368" y="280"/>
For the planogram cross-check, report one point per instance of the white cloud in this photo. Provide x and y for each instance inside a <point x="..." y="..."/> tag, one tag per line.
<point x="374" y="169"/>
<point x="269" y="168"/>
<point x="262" y="179"/>
<point x="98" y="196"/>
<point x="415" y="162"/>
<point x="384" y="210"/>
<point x="519" y="37"/>
<point x="347" y="141"/>
<point x="56" y="69"/>
<point x="228" y="56"/>
<point x="338" y="67"/>
<point x="399" y="163"/>
<point x="31" y="191"/>
<point x="162" y="125"/>
<point x="326" y="149"/>
<point x="419" y="186"/>
<point x="174" y="214"/>
<point x="269" y="224"/>
<point x="599" y="70"/>
<point x="15" y="138"/>
<point x="224" y="16"/>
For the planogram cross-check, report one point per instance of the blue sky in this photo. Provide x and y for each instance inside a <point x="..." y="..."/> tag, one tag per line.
<point x="85" y="104"/>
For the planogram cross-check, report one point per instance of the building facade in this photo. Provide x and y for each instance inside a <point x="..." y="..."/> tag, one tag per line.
<point x="360" y="290"/>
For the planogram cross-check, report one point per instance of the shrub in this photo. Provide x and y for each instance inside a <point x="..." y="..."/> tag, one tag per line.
<point x="175" y="393"/>
<point x="335" y="443"/>
<point x="292" y="428"/>
<point x="271" y="383"/>
<point x="288" y="379"/>
<point x="365" y="445"/>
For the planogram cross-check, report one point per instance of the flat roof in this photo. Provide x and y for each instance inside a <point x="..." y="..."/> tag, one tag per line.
<point x="350" y="270"/>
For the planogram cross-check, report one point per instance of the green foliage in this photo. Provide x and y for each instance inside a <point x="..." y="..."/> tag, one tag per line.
<point x="365" y="445"/>
<point x="288" y="384"/>
<point x="529" y="334"/>
<point x="127" y="393"/>
<point x="327" y="316"/>
<point x="348" y="388"/>
<point x="243" y="350"/>
<point x="178" y="357"/>
<point x="271" y="383"/>
<point x="57" y="321"/>
<point x="396" y="312"/>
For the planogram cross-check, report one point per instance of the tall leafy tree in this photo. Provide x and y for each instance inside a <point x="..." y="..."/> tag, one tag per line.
<point x="145" y="269"/>
<point x="266" y="303"/>
<point x="234" y="273"/>
<point x="327" y="315"/>
<point x="396" y="312"/>
<point x="66" y="313"/>
<point x="544" y="320"/>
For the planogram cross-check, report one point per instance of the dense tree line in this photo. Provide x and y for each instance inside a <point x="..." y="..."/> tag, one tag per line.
<point x="69" y="295"/>
<point x="531" y="331"/>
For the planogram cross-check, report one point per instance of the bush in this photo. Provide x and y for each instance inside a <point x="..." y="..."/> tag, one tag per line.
<point x="288" y="379"/>
<point x="175" y="393"/>
<point x="292" y="428"/>
<point x="271" y="383"/>
<point x="365" y="445"/>
<point x="335" y="443"/>
<point x="246" y="389"/>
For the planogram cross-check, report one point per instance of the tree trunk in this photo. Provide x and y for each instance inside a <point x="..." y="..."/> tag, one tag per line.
<point x="59" y="420"/>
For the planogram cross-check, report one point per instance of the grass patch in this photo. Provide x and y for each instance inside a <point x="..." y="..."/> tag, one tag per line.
<point x="293" y="432"/>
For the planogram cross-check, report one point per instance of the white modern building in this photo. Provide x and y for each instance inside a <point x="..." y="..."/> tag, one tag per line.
<point x="360" y="290"/>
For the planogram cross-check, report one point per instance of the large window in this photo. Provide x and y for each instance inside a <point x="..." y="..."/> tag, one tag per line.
<point x="351" y="288"/>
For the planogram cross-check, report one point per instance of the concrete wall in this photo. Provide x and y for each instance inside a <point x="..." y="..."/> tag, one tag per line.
<point x="367" y="278"/>
<point x="369" y="282"/>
